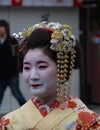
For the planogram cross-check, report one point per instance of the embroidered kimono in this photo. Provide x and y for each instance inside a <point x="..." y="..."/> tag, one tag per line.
<point x="35" y="115"/>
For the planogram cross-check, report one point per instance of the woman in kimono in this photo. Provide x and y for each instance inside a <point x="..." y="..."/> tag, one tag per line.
<point x="50" y="55"/>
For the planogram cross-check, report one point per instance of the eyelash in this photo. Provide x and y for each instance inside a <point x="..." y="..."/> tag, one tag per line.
<point x="26" y="68"/>
<point x="42" y="67"/>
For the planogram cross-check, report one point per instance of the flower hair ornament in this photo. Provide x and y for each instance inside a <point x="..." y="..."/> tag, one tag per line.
<point x="63" y="42"/>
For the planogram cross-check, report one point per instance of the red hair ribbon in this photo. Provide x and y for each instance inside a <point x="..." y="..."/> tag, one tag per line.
<point x="23" y="47"/>
<point x="49" y="30"/>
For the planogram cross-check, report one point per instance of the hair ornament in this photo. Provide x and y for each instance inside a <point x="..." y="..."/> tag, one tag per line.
<point x="62" y="38"/>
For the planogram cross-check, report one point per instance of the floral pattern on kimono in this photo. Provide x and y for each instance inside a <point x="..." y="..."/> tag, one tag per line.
<point x="85" y="120"/>
<point x="3" y="123"/>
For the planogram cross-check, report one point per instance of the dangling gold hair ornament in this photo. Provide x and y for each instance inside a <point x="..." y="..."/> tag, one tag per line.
<point x="63" y="42"/>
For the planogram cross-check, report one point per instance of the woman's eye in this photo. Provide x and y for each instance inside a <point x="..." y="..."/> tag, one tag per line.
<point x="26" y="68"/>
<point x="42" y="67"/>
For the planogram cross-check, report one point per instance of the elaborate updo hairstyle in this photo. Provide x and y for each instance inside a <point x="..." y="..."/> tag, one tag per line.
<point x="40" y="38"/>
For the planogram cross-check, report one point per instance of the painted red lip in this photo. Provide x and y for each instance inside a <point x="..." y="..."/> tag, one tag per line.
<point x="35" y="85"/>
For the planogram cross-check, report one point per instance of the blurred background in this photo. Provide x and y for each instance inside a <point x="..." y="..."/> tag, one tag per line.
<point x="84" y="18"/>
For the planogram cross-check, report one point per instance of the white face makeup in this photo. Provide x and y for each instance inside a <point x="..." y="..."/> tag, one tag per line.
<point x="40" y="73"/>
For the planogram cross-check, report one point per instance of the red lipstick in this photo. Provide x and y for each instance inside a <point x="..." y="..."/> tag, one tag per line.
<point x="35" y="85"/>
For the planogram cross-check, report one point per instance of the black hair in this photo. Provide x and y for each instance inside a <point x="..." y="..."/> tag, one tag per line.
<point x="40" y="38"/>
<point x="4" y="23"/>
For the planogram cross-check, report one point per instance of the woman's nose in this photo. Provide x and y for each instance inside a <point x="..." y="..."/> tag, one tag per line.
<point x="34" y="75"/>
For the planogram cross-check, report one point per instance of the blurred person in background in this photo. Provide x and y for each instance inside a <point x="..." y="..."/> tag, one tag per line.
<point x="8" y="64"/>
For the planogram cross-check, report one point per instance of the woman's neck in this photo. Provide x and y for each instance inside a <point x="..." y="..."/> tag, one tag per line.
<point x="47" y="100"/>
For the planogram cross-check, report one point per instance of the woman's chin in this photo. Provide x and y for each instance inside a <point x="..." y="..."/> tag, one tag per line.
<point x="36" y="93"/>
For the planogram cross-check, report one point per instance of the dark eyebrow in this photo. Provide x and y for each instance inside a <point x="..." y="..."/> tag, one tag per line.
<point x="41" y="62"/>
<point x="26" y="63"/>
